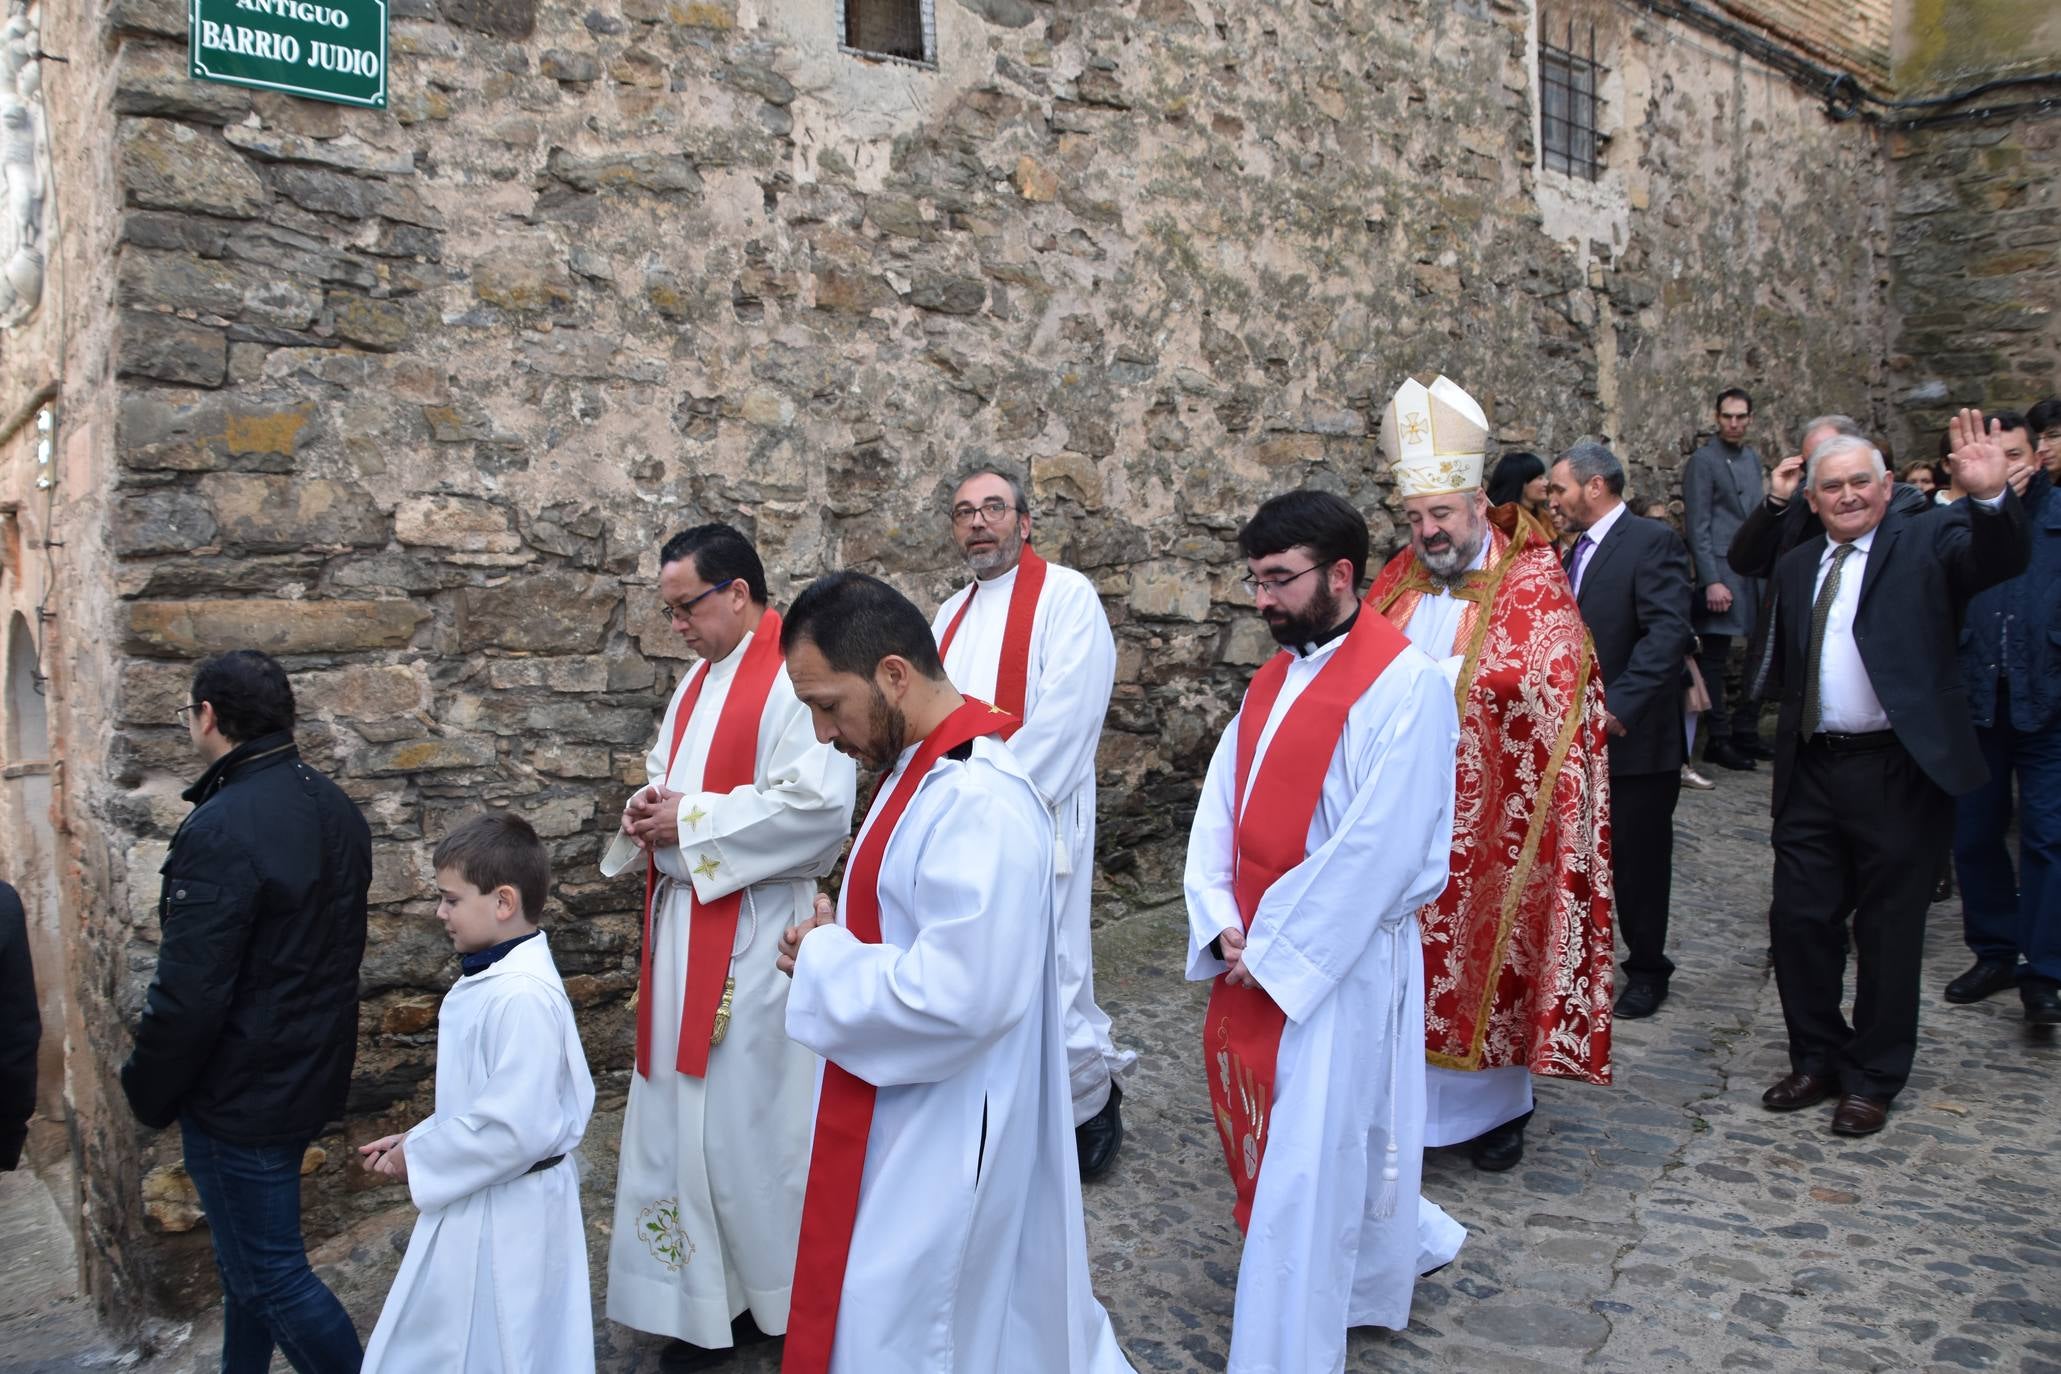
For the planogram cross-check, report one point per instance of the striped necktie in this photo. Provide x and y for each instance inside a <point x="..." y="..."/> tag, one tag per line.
<point x="1821" y="613"/>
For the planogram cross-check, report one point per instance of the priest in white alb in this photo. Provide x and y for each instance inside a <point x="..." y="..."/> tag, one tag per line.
<point x="1323" y="827"/>
<point x="743" y="810"/>
<point x="1030" y="636"/>
<point x="1517" y="950"/>
<point x="943" y="1231"/>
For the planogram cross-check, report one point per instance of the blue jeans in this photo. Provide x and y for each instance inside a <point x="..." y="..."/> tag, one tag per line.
<point x="270" y="1296"/>
<point x="2006" y="915"/>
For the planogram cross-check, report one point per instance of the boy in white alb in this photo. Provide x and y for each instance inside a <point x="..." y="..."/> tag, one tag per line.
<point x="495" y="1278"/>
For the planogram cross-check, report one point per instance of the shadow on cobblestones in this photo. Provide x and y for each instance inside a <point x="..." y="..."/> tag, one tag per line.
<point x="1665" y="1223"/>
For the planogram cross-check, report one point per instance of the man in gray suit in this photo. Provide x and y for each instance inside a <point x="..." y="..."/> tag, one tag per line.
<point x="1720" y="485"/>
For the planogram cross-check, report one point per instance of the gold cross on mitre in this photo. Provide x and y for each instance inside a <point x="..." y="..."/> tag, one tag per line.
<point x="694" y="818"/>
<point x="1413" y="428"/>
<point x="707" y="867"/>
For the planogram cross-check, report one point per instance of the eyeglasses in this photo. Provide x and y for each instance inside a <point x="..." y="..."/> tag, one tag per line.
<point x="680" y="612"/>
<point x="989" y="512"/>
<point x="180" y="714"/>
<point x="1272" y="585"/>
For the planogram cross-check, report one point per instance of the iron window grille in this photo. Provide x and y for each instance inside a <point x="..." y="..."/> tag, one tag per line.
<point x="1568" y="106"/>
<point x="889" y="30"/>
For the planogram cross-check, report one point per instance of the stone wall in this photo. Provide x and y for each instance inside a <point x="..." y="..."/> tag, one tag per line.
<point x="1978" y="221"/>
<point x="410" y="398"/>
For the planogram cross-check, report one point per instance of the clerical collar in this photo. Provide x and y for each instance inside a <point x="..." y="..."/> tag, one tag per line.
<point x="479" y="961"/>
<point x="1000" y="579"/>
<point x="1335" y="632"/>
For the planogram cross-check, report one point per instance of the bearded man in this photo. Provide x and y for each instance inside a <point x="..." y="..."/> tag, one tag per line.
<point x="1517" y="949"/>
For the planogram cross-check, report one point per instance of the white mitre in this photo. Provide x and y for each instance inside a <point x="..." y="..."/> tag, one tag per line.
<point x="1437" y="437"/>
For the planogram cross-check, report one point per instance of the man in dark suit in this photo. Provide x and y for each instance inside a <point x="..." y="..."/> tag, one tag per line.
<point x="1874" y="741"/>
<point x="2011" y="662"/>
<point x="1720" y="487"/>
<point x="1631" y="580"/>
<point x="21" y="1029"/>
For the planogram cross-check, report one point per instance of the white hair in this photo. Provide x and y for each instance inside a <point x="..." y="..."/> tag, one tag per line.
<point x="1837" y="445"/>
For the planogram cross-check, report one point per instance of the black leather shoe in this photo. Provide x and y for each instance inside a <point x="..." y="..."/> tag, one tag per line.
<point x="1725" y="756"/>
<point x="1755" y="748"/>
<point x="1943" y="889"/>
<point x="2042" y="1003"/>
<point x="1988" y="978"/>
<point x="1098" y="1137"/>
<point x="1857" y="1115"/>
<point x="1796" y="1091"/>
<point x="1640" y="998"/>
<point x="1499" y="1147"/>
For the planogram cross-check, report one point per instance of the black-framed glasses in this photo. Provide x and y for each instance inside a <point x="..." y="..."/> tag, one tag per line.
<point x="1272" y="585"/>
<point x="181" y="714"/>
<point x="989" y="512"/>
<point x="686" y="608"/>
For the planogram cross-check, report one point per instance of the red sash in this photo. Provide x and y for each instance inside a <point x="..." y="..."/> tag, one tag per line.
<point x="1012" y="674"/>
<point x="1241" y="1033"/>
<point x="733" y="758"/>
<point x="844" y="1110"/>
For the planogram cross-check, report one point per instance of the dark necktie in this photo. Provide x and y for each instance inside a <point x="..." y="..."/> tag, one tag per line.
<point x="1821" y="612"/>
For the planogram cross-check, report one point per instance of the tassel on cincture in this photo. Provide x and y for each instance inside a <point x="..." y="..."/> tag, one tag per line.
<point x="1391" y="1175"/>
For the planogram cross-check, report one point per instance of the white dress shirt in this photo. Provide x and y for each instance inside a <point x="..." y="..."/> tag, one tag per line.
<point x="1595" y="534"/>
<point x="1847" y="704"/>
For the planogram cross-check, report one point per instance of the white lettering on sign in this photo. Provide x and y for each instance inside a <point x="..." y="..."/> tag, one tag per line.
<point x="279" y="47"/>
<point x="298" y="9"/>
<point x="244" y="42"/>
<point x="350" y="61"/>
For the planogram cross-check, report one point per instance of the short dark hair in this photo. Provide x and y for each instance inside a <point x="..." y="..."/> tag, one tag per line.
<point x="2043" y="416"/>
<point x="1014" y="479"/>
<point x="721" y="554"/>
<point x="855" y="621"/>
<point x="1593" y="458"/>
<point x="249" y="692"/>
<point x="2009" y="420"/>
<point x="1733" y="393"/>
<point x="1513" y="472"/>
<point x="499" y="849"/>
<point x="1326" y="524"/>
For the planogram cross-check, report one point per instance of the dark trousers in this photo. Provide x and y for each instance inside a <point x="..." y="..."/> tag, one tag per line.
<point x="252" y="1194"/>
<point x="1642" y="867"/>
<point x="2008" y="914"/>
<point x="1727" y="688"/>
<point x="1853" y="836"/>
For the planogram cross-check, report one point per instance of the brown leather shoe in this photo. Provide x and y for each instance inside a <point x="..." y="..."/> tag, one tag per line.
<point x="1859" y="1115"/>
<point x="1796" y="1091"/>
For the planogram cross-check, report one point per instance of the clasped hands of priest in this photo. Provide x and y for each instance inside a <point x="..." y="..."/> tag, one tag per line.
<point x="652" y="819"/>
<point x="824" y="913"/>
<point x="1232" y="943"/>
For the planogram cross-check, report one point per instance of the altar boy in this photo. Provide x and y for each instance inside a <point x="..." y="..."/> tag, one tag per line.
<point x="495" y="1278"/>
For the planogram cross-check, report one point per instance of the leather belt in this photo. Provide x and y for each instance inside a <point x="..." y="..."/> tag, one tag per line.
<point x="1853" y="744"/>
<point x="541" y="1165"/>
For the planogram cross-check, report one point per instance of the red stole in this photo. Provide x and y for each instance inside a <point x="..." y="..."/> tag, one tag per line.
<point x="844" y="1109"/>
<point x="1012" y="675"/>
<point x="732" y="762"/>
<point x="1241" y="1033"/>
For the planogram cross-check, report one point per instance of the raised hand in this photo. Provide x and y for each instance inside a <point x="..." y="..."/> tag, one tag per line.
<point x="1786" y="477"/>
<point x="1978" y="456"/>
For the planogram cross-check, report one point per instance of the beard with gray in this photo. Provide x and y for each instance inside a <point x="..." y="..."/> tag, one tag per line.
<point x="1446" y="557"/>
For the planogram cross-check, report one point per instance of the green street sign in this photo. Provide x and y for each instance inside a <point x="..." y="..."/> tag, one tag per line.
<point x="321" y="49"/>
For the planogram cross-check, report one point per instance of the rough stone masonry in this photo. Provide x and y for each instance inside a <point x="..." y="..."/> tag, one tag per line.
<point x="410" y="397"/>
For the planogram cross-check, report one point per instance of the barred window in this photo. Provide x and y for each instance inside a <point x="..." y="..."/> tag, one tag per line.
<point x="1568" y="105"/>
<point x="904" y="30"/>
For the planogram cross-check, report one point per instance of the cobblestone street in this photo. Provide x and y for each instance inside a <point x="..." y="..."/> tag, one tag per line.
<point x="1666" y="1223"/>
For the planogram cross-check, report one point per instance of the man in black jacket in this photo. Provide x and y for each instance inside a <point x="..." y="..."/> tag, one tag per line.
<point x="1631" y="580"/>
<point x="251" y="1022"/>
<point x="1874" y="741"/>
<point x="21" y="1029"/>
